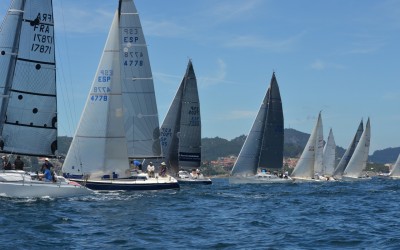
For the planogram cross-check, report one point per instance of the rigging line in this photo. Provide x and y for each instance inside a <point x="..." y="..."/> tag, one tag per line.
<point x="71" y="112"/>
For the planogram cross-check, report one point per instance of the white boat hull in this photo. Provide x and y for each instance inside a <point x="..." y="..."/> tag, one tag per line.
<point x="18" y="184"/>
<point x="185" y="178"/>
<point x="264" y="178"/>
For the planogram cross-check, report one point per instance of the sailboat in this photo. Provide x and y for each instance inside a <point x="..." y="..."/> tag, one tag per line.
<point x="329" y="158"/>
<point x="311" y="159"/>
<point x="263" y="148"/>
<point x="181" y="132"/>
<point x="119" y="121"/>
<point x="395" y="173"/>
<point x="339" y="170"/>
<point x="28" y="111"/>
<point x="358" y="161"/>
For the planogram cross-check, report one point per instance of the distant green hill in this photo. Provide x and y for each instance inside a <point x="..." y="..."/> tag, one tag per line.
<point x="388" y="155"/>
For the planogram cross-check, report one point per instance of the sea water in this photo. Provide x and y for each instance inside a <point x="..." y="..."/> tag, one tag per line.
<point x="323" y="215"/>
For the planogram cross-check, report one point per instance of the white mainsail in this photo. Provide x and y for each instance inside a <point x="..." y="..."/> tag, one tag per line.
<point x="358" y="161"/>
<point x="181" y="129"/>
<point x="311" y="155"/>
<point x="28" y="107"/>
<point x="329" y="155"/>
<point x="395" y="173"/>
<point x="99" y="145"/>
<point x="139" y="100"/>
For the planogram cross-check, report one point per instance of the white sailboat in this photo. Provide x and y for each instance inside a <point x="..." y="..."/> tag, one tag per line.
<point x="263" y="148"/>
<point x="120" y="119"/>
<point x="181" y="132"/>
<point x="329" y="159"/>
<point x="395" y="173"/>
<point x="28" y="111"/>
<point x="310" y="161"/>
<point x="338" y="172"/>
<point x="358" y="161"/>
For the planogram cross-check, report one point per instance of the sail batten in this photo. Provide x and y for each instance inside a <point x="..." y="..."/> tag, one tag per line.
<point x="28" y="117"/>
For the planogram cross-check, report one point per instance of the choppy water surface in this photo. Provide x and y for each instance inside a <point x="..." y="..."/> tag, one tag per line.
<point x="341" y="215"/>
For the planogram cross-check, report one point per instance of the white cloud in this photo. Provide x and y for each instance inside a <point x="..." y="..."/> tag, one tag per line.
<point x="233" y="9"/>
<point x="164" y="29"/>
<point x="321" y="65"/>
<point x="263" y="43"/>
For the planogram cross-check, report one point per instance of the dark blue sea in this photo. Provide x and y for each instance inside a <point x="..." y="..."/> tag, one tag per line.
<point x="340" y="215"/>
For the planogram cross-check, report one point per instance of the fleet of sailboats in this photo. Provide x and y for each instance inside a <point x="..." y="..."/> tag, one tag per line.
<point x="119" y="123"/>
<point x="181" y="132"/>
<point x="28" y="108"/>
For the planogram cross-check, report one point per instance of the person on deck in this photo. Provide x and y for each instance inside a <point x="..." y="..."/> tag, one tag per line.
<point x="163" y="169"/>
<point x="46" y="176"/>
<point x="18" y="163"/>
<point x="6" y="163"/>
<point x="150" y="170"/>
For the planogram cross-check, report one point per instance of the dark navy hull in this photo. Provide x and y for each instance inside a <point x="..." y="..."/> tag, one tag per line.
<point x="194" y="182"/>
<point x="112" y="185"/>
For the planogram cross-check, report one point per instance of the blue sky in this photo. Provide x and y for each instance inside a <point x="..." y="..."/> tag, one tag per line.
<point x="341" y="57"/>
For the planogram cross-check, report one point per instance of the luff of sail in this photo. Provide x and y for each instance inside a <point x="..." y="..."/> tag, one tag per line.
<point x="140" y="108"/>
<point x="181" y="129"/>
<point x="305" y="166"/>
<point x="253" y="154"/>
<point x="358" y="161"/>
<point x="349" y="152"/>
<point x="99" y="145"/>
<point x="28" y="112"/>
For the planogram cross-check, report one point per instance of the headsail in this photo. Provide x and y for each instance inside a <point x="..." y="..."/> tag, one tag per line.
<point x="99" y="145"/>
<point x="329" y="155"/>
<point x="358" y="161"/>
<point x="28" y="111"/>
<point x="140" y="108"/>
<point x="396" y="168"/>
<point x="349" y="152"/>
<point x="306" y="164"/>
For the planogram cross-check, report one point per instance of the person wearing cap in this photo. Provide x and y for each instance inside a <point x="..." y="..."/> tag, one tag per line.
<point x="47" y="164"/>
<point x="6" y="163"/>
<point x="18" y="163"/>
<point x="150" y="170"/>
<point x="163" y="169"/>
